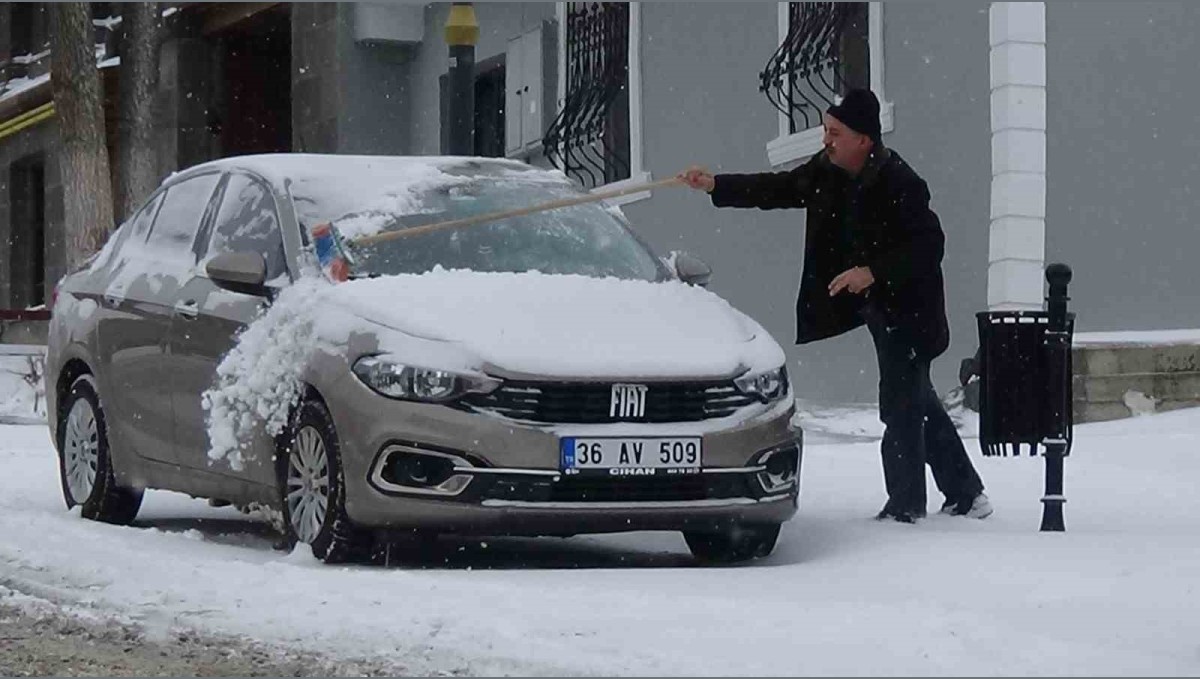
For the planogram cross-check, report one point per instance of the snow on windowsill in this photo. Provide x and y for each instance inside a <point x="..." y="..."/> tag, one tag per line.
<point x="802" y="145"/>
<point x="109" y="23"/>
<point x="30" y="58"/>
<point x="16" y="86"/>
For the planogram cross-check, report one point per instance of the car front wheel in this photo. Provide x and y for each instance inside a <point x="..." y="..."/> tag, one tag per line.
<point x="739" y="542"/>
<point x="313" y="488"/>
<point x="85" y="461"/>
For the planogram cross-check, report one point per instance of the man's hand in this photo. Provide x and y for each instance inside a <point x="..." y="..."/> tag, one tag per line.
<point x="698" y="178"/>
<point x="855" y="280"/>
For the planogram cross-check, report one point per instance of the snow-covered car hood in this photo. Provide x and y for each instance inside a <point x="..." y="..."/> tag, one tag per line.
<point x="533" y="324"/>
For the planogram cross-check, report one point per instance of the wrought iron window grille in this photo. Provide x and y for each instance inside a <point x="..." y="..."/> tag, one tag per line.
<point x="824" y="54"/>
<point x="589" y="138"/>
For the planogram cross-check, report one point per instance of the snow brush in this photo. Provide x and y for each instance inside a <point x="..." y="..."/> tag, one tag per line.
<point x="518" y="212"/>
<point x="331" y="253"/>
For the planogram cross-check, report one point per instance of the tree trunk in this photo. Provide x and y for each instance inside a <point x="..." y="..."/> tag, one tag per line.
<point x="137" y="162"/>
<point x="87" y="183"/>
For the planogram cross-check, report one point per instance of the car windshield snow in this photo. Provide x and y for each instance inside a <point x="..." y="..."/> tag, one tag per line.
<point x="588" y="239"/>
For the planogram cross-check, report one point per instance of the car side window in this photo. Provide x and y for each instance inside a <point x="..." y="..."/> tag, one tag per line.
<point x="175" y="226"/>
<point x="142" y="221"/>
<point x="133" y="233"/>
<point x="247" y="222"/>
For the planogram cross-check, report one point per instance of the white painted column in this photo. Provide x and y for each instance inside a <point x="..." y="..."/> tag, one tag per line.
<point x="1017" y="243"/>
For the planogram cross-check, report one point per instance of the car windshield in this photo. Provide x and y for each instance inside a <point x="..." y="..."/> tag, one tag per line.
<point x="588" y="239"/>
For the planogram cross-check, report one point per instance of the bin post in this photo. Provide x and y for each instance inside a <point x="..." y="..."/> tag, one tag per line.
<point x="1058" y="412"/>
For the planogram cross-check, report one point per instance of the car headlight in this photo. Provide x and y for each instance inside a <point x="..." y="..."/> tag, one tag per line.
<point x="765" y="386"/>
<point x="398" y="380"/>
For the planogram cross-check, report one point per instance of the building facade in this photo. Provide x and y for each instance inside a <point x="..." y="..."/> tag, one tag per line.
<point x="1047" y="132"/>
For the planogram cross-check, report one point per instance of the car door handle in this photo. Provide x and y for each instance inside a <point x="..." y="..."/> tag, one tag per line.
<point x="188" y="309"/>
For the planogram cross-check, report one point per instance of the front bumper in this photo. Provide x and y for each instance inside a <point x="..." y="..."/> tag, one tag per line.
<point x="508" y="479"/>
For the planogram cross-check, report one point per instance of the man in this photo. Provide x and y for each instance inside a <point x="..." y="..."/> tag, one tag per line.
<point x="872" y="256"/>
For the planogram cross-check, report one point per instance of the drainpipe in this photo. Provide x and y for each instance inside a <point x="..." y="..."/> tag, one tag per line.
<point x="1017" y="243"/>
<point x="462" y="32"/>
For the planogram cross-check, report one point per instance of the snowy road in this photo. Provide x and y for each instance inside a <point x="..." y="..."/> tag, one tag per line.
<point x="1119" y="593"/>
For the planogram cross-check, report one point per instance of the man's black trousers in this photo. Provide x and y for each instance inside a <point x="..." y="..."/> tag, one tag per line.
<point x="917" y="428"/>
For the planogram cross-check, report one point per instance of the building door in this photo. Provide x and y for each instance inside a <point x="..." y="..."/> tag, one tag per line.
<point x="27" y="254"/>
<point x="255" y="93"/>
<point x="489" y="108"/>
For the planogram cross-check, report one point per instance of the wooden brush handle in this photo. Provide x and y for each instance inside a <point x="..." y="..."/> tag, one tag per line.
<point x="493" y="216"/>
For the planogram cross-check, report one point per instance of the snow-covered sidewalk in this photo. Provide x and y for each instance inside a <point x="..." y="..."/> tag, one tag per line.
<point x="1116" y="594"/>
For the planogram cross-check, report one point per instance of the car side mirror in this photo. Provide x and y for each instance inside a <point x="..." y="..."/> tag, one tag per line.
<point x="244" y="272"/>
<point x="692" y="270"/>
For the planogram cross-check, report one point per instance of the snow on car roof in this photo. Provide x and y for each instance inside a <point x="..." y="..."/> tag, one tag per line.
<point x="278" y="167"/>
<point x="361" y="194"/>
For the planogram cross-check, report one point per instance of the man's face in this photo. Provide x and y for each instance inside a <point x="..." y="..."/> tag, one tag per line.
<point x="846" y="148"/>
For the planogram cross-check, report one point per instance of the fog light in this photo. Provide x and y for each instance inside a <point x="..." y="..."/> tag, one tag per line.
<point x="417" y="470"/>
<point x="782" y="466"/>
<point x="413" y="470"/>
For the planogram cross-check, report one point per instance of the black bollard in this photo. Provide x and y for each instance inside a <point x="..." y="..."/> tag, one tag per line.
<point x="1057" y="426"/>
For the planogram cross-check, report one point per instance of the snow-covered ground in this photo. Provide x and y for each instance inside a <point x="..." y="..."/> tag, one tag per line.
<point x="1119" y="593"/>
<point x="22" y="400"/>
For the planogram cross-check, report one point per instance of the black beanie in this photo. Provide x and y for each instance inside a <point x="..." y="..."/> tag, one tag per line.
<point x="859" y="111"/>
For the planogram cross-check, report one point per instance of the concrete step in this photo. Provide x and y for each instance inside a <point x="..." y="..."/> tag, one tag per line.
<point x="1121" y="374"/>
<point x="1121" y="360"/>
<point x="1177" y="386"/>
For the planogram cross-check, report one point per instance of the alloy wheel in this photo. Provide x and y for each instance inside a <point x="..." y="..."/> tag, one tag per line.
<point x="307" y="484"/>
<point x="81" y="450"/>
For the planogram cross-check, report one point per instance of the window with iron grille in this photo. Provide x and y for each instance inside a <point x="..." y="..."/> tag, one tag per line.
<point x="590" y="137"/>
<point x="824" y="54"/>
<point x="825" y="49"/>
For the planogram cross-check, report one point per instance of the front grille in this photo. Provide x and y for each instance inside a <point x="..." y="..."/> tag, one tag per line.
<point x="589" y="403"/>
<point x="673" y="488"/>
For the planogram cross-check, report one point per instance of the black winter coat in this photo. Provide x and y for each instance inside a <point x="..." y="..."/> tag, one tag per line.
<point x="881" y="220"/>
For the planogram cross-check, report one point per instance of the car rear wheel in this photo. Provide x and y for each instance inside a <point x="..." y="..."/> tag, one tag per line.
<point x="84" y="460"/>
<point x="313" y="488"/>
<point x="739" y="542"/>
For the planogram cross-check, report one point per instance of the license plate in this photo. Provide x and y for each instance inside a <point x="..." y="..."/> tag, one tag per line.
<point x="635" y="455"/>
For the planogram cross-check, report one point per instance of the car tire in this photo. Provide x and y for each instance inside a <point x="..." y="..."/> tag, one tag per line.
<point x="85" y="461"/>
<point x="740" y="542"/>
<point x="313" y="489"/>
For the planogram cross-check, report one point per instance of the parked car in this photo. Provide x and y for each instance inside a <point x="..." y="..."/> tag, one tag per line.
<point x="546" y="374"/>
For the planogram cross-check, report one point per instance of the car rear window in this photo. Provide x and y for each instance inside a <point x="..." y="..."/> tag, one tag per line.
<point x="140" y="227"/>
<point x="132" y="234"/>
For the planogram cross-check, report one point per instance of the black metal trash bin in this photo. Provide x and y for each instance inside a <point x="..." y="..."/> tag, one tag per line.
<point x="1020" y="389"/>
<point x="1025" y="377"/>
